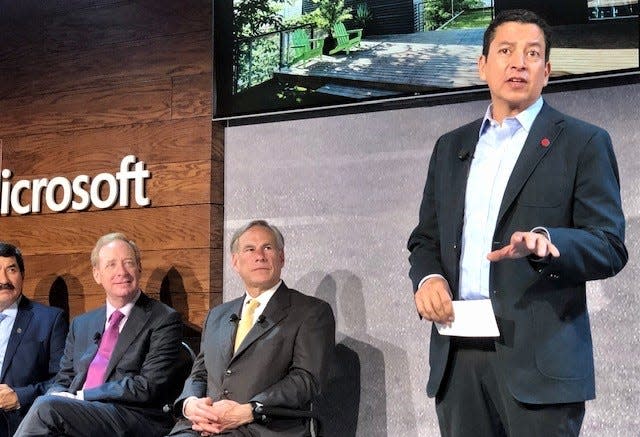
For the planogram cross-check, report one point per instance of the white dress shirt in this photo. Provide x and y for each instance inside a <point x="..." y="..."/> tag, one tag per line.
<point x="496" y="153"/>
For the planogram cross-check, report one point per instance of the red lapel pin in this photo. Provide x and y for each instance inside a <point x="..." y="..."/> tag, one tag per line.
<point x="545" y="142"/>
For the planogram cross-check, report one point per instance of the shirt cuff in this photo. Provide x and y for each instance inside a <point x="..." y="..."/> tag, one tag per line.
<point x="184" y="405"/>
<point x="433" y="275"/>
<point x="542" y="231"/>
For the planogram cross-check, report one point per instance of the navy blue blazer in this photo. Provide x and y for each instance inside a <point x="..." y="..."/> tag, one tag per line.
<point x="565" y="179"/>
<point x="33" y="353"/>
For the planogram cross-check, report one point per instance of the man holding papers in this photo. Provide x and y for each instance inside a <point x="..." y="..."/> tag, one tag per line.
<point x="520" y="209"/>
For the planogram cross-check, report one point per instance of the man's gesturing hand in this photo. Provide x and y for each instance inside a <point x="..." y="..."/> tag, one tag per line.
<point x="524" y="244"/>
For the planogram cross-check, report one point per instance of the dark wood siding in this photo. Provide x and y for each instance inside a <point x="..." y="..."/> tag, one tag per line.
<point x="84" y="83"/>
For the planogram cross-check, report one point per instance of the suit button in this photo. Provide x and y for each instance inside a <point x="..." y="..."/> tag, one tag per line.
<point x="554" y="276"/>
<point x="225" y="392"/>
<point x="228" y="372"/>
<point x="495" y="292"/>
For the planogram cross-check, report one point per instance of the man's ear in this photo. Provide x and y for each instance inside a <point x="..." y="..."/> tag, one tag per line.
<point x="234" y="261"/>
<point x="96" y="275"/>
<point x="482" y="61"/>
<point x="547" y="72"/>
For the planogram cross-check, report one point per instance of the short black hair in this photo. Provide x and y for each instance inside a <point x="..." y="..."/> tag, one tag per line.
<point x="8" y="250"/>
<point x="523" y="16"/>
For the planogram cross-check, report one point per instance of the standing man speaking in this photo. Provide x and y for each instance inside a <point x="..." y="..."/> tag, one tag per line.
<point x="521" y="207"/>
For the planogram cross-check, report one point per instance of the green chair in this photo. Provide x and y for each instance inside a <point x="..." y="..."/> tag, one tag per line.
<point x="346" y="38"/>
<point x="304" y="48"/>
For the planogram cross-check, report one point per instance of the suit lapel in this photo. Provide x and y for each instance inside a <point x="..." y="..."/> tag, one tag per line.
<point x="460" y="174"/>
<point x="23" y="318"/>
<point x="228" y="329"/>
<point x="138" y="318"/>
<point x="547" y="126"/>
<point x="273" y="314"/>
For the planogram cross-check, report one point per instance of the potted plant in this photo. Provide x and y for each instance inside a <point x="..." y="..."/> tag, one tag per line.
<point x="363" y="15"/>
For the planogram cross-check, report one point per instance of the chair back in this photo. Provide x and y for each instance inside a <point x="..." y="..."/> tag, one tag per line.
<point x="184" y="364"/>
<point x="300" y="41"/>
<point x="340" y="33"/>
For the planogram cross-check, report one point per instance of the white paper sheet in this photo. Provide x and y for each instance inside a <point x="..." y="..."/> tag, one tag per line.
<point x="473" y="318"/>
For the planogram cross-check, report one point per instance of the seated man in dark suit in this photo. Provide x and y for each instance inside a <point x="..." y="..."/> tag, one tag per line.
<point x="118" y="363"/>
<point x="270" y="347"/>
<point x="31" y="342"/>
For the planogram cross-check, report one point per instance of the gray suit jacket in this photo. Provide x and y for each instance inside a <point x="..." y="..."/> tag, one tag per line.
<point x="565" y="179"/>
<point x="142" y="366"/>
<point x="283" y="361"/>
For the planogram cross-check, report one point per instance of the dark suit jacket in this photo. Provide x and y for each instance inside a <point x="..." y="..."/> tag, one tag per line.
<point x="33" y="353"/>
<point x="283" y="361"/>
<point x="142" y="365"/>
<point x="572" y="188"/>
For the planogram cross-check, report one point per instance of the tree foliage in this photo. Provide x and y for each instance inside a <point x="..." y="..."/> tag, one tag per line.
<point x="254" y="56"/>
<point x="253" y="17"/>
<point x="438" y="12"/>
<point x="328" y="13"/>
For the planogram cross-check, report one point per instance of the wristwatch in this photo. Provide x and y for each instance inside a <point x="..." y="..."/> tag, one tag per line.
<point x="258" y="413"/>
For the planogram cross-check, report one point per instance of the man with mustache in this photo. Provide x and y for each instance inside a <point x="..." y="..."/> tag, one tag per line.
<point x="31" y="342"/>
<point x="521" y="207"/>
<point x="118" y="366"/>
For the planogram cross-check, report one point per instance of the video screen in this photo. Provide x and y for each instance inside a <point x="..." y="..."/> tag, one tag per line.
<point x="281" y="56"/>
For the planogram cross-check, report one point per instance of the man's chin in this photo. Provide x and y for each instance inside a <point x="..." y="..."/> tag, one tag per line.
<point x="123" y="291"/>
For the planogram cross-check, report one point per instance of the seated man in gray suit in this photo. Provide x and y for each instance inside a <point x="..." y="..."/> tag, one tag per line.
<point x="119" y="360"/>
<point x="270" y="347"/>
<point x="31" y="342"/>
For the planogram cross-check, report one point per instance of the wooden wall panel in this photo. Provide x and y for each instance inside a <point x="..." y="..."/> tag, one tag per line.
<point x="120" y="23"/>
<point x="178" y="227"/>
<point x="85" y="83"/>
<point x="191" y="96"/>
<point x="139" y="102"/>
<point x="101" y="148"/>
<point x="173" y="55"/>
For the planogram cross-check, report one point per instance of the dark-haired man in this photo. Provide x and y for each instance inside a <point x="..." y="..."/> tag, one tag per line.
<point x="118" y="366"/>
<point x="521" y="207"/>
<point x="270" y="347"/>
<point x="31" y="342"/>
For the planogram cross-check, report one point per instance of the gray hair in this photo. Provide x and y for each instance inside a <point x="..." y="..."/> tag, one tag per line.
<point x="108" y="238"/>
<point x="263" y="223"/>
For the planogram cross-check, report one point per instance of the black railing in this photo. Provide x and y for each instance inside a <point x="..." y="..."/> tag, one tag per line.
<point x="419" y="17"/>
<point x="257" y="57"/>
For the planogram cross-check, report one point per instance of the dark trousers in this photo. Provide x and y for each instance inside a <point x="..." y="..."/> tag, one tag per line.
<point x="52" y="415"/>
<point x="277" y="428"/>
<point x="183" y="429"/>
<point x="474" y="400"/>
<point x="9" y="421"/>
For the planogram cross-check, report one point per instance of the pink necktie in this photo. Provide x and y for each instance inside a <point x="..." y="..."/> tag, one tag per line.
<point x="98" y="367"/>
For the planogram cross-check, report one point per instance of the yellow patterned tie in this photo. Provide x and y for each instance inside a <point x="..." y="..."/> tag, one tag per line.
<point x="246" y="322"/>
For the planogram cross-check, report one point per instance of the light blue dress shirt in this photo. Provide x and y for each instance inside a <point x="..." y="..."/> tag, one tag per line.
<point x="496" y="153"/>
<point x="6" y="326"/>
